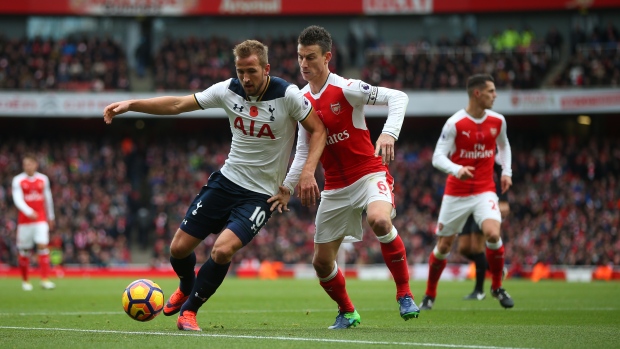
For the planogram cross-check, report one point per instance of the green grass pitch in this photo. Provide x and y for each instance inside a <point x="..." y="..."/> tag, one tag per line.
<point x="286" y="313"/>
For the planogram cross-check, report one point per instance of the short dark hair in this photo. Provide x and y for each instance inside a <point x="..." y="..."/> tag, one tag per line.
<point x="315" y="35"/>
<point x="477" y="81"/>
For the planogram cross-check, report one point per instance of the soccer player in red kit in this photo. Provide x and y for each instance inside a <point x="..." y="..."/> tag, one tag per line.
<point x="466" y="152"/>
<point x="356" y="173"/>
<point x="33" y="198"/>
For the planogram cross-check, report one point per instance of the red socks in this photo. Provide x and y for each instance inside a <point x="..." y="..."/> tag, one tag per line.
<point x="395" y="258"/>
<point x="44" y="265"/>
<point x="336" y="289"/>
<point x="495" y="259"/>
<point x="435" y="268"/>
<point x="24" y="264"/>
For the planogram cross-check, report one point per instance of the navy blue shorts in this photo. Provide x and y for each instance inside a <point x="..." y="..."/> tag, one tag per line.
<point x="223" y="204"/>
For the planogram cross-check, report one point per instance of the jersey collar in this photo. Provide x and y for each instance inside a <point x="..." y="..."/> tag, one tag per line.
<point x="260" y="96"/>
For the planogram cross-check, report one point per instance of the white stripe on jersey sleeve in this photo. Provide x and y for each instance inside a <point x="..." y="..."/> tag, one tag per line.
<point x="503" y="150"/>
<point x="301" y="155"/>
<point x="49" y="202"/>
<point x="360" y="93"/>
<point x="18" y="196"/>
<point x="445" y="146"/>
<point x="397" y="105"/>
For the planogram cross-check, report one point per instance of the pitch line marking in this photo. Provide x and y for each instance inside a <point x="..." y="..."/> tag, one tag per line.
<point x="258" y="311"/>
<point x="279" y="338"/>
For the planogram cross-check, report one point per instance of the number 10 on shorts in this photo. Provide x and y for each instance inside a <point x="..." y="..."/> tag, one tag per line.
<point x="257" y="218"/>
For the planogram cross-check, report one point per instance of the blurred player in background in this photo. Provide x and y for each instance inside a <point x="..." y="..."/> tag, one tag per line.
<point x="356" y="173"/>
<point x="471" y="242"/>
<point x="239" y="198"/>
<point x="466" y="151"/>
<point x="33" y="198"/>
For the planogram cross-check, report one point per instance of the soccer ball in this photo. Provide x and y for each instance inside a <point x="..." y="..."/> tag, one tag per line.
<point x="143" y="300"/>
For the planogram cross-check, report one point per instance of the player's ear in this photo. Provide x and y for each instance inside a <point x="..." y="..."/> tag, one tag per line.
<point x="328" y="56"/>
<point x="267" y="68"/>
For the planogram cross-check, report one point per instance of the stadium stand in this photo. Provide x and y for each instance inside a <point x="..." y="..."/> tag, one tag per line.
<point x="76" y="64"/>
<point x="116" y="196"/>
<point x="573" y="222"/>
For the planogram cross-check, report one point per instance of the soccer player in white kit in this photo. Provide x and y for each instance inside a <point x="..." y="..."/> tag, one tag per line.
<point x="239" y="198"/>
<point x="356" y="176"/>
<point x="33" y="198"/>
<point x="466" y="152"/>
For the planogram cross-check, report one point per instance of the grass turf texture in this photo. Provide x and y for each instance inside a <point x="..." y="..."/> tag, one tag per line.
<point x="295" y="314"/>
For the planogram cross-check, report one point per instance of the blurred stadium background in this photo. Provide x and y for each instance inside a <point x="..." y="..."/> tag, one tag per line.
<point x="120" y="190"/>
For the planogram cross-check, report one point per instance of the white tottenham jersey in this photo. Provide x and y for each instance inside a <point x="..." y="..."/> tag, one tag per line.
<point x="263" y="130"/>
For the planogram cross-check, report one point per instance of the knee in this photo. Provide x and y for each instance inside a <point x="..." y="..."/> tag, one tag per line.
<point x="222" y="254"/>
<point x="381" y="224"/>
<point x="178" y="251"/>
<point x="444" y="246"/>
<point x="493" y="237"/>
<point x="322" y="267"/>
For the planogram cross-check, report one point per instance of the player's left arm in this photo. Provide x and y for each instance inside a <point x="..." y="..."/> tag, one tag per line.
<point x="308" y="188"/>
<point x="49" y="203"/>
<point x="505" y="157"/>
<point x="20" y="203"/>
<point x="397" y="105"/>
<point x="310" y="144"/>
<point x="360" y="93"/>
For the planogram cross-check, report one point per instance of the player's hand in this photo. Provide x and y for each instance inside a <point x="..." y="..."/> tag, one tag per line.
<point x="280" y="200"/>
<point x="506" y="182"/>
<point x="51" y="224"/>
<point x="308" y="189"/>
<point x="466" y="172"/>
<point x="33" y="215"/>
<point x="385" y="146"/>
<point x="114" y="109"/>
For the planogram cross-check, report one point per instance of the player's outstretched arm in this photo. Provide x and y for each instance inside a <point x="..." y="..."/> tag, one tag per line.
<point x="165" y="105"/>
<point x="308" y="188"/>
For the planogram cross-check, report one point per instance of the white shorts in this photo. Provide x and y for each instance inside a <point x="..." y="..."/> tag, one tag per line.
<point x="455" y="210"/>
<point x="340" y="211"/>
<point x="32" y="233"/>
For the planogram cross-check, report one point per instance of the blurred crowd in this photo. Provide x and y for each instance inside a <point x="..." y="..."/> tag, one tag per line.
<point x="116" y="196"/>
<point x="197" y="63"/>
<point x="75" y="63"/>
<point x="518" y="59"/>
<point x="595" y="59"/>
